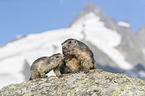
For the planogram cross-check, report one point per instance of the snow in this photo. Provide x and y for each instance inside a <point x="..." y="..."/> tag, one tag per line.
<point x="142" y="73"/>
<point x="7" y="79"/>
<point x="14" y="54"/>
<point x="143" y="51"/>
<point x="124" y="24"/>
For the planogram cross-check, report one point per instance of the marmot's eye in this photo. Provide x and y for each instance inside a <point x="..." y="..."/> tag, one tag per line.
<point x="69" y="42"/>
<point x="63" y="47"/>
<point x="57" y="56"/>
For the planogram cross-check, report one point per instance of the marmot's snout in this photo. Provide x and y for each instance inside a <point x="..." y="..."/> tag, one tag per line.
<point x="66" y="52"/>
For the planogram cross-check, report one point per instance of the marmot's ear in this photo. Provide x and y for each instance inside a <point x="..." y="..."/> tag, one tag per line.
<point x="69" y="42"/>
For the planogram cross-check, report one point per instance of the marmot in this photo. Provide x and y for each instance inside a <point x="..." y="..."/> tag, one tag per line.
<point x="43" y="65"/>
<point x="78" y="56"/>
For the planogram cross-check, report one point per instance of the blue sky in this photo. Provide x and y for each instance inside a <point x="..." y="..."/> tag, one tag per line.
<point x="23" y="17"/>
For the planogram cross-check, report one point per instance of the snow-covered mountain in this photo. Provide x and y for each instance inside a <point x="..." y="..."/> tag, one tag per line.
<point x="114" y="45"/>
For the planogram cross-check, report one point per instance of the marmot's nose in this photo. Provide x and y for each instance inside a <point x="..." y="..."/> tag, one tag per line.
<point x="68" y="51"/>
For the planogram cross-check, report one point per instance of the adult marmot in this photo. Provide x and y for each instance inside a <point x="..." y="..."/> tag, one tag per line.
<point x="78" y="56"/>
<point x="43" y="65"/>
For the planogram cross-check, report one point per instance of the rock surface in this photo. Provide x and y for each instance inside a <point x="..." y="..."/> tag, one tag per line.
<point x="94" y="83"/>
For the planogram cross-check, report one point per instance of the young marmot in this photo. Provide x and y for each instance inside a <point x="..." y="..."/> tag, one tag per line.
<point x="44" y="65"/>
<point x="78" y="56"/>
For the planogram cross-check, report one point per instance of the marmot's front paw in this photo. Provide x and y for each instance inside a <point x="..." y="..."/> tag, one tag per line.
<point x="86" y="70"/>
<point x="60" y="76"/>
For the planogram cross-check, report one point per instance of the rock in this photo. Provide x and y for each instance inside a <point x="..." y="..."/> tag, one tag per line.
<point x="95" y="83"/>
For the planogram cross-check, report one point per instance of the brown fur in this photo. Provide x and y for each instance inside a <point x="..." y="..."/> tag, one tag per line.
<point x="61" y="69"/>
<point x="78" y="56"/>
<point x="43" y="65"/>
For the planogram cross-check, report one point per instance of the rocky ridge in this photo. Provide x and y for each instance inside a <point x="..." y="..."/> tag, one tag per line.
<point x="94" y="83"/>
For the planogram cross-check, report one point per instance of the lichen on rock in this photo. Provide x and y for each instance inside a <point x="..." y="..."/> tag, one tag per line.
<point x="94" y="83"/>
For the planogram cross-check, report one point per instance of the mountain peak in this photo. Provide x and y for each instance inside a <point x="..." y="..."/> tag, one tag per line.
<point x="91" y="7"/>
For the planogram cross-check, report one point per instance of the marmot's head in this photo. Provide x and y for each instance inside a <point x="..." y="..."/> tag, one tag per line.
<point x="56" y="57"/>
<point x="70" y="47"/>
